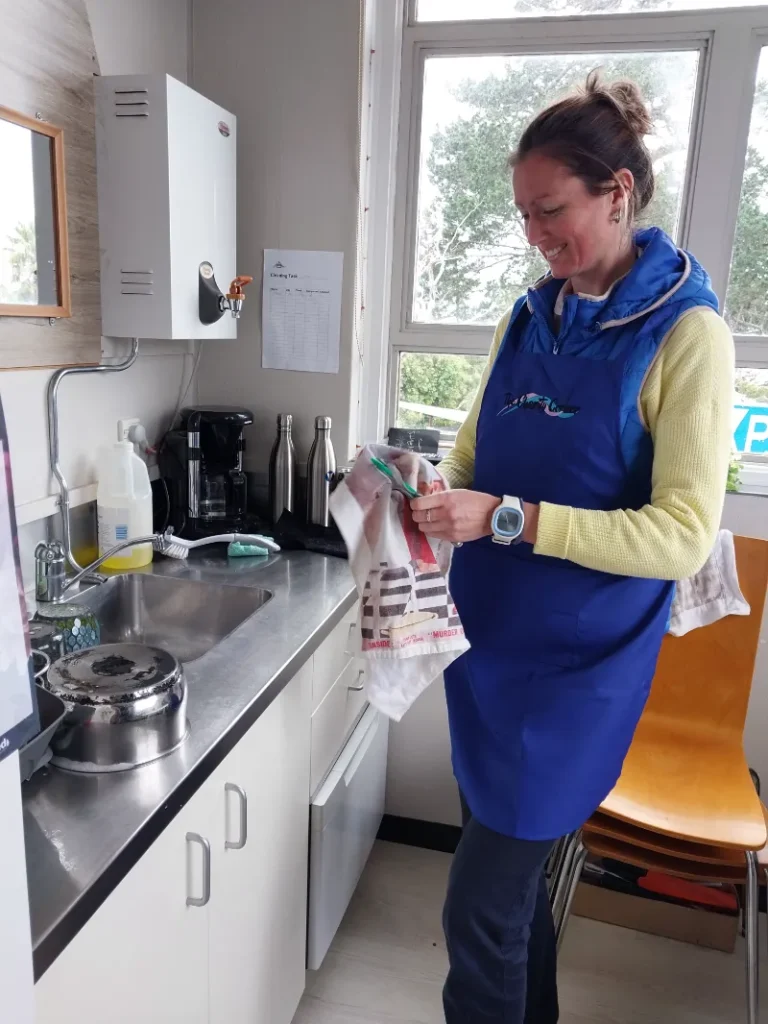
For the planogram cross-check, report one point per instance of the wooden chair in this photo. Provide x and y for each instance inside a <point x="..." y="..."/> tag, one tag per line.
<point x="685" y="784"/>
<point x="693" y="861"/>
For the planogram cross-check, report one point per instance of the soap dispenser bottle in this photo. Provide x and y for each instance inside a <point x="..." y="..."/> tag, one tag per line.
<point x="124" y="506"/>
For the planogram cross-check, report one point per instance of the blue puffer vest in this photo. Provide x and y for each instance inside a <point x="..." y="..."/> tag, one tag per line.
<point x="637" y="315"/>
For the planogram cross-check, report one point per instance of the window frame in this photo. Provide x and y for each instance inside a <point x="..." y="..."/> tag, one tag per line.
<point x="729" y="42"/>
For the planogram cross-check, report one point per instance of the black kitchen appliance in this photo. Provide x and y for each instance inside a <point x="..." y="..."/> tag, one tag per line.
<point x="203" y="486"/>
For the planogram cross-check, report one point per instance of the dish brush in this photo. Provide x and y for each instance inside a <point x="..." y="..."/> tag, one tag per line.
<point x="179" y="547"/>
<point x="395" y="476"/>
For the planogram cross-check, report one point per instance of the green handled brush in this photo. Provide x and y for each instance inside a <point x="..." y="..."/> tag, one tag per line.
<point x="397" y="481"/>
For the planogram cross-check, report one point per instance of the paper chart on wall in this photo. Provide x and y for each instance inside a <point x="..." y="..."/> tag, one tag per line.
<point x="301" y="311"/>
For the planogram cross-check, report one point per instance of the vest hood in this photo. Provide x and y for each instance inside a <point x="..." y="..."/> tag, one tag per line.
<point x="661" y="274"/>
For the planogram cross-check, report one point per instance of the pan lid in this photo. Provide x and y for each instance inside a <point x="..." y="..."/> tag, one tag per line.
<point x="113" y="674"/>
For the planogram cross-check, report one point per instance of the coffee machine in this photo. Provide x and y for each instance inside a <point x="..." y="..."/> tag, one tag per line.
<point x="201" y="468"/>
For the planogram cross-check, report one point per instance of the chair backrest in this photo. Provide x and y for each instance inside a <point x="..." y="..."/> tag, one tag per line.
<point x="703" y="679"/>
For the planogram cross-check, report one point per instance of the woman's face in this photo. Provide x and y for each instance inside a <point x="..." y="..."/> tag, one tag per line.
<point x="576" y="232"/>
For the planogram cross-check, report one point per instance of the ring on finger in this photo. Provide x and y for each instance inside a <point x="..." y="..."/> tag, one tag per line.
<point x="429" y="515"/>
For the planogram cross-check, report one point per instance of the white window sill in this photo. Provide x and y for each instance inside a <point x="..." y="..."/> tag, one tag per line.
<point x="754" y="478"/>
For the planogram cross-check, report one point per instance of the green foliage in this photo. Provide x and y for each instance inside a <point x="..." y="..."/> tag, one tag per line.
<point x="753" y="384"/>
<point x="550" y="7"/>
<point x="444" y="381"/>
<point x="733" y="482"/>
<point x="471" y="228"/>
<point x="746" y="310"/>
<point x="21" y="247"/>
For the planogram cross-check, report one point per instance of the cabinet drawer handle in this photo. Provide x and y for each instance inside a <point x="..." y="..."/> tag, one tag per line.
<point x="360" y="683"/>
<point x="349" y="651"/>
<point x="194" y="901"/>
<point x="230" y="787"/>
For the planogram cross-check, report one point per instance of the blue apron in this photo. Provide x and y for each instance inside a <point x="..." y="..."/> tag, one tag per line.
<point x="543" y="707"/>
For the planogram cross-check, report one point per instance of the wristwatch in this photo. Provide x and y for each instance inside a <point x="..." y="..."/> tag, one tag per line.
<point x="508" y="521"/>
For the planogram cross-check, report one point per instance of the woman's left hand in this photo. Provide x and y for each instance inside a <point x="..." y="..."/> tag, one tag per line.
<point x="456" y="516"/>
<point x="460" y="516"/>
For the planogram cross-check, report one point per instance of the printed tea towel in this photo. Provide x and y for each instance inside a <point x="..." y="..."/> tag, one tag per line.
<point x="710" y="595"/>
<point x="410" y="629"/>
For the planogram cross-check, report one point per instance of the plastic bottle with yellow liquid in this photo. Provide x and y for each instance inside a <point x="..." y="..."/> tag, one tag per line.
<point x="124" y="506"/>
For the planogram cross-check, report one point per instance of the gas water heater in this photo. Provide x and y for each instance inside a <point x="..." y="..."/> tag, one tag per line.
<point x="167" y="210"/>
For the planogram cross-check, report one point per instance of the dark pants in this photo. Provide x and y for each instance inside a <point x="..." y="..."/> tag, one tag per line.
<point x="499" y="930"/>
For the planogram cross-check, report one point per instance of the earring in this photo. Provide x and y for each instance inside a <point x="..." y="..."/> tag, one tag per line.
<point x="616" y="217"/>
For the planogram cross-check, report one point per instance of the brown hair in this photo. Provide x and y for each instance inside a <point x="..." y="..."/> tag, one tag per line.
<point x="596" y="131"/>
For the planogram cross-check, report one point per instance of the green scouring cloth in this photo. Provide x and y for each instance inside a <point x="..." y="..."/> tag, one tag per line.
<point x="238" y="550"/>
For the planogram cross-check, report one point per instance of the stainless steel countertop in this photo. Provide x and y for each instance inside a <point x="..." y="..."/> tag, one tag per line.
<point x="83" y="833"/>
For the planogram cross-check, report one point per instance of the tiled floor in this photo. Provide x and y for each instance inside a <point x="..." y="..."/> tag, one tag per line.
<point x="388" y="962"/>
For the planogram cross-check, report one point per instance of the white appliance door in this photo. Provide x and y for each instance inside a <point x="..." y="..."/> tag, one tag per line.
<point x="18" y="723"/>
<point x="345" y="817"/>
<point x="16" y="984"/>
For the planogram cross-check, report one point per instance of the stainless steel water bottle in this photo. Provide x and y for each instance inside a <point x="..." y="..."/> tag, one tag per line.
<point x="282" y="469"/>
<point x="321" y="469"/>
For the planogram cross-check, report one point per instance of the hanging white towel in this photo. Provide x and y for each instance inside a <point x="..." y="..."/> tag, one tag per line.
<point x="712" y="593"/>
<point x="410" y="629"/>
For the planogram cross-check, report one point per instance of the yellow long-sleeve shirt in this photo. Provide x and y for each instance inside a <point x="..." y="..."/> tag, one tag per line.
<point x="685" y="404"/>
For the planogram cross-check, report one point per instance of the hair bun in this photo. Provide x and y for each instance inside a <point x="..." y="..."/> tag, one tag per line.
<point x="625" y="97"/>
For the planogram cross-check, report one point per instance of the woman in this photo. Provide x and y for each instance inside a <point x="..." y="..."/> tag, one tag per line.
<point x="600" y="435"/>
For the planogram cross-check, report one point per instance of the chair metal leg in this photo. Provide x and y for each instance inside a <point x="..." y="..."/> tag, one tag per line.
<point x="572" y="882"/>
<point x="552" y="859"/>
<point x="555" y="862"/>
<point x="751" y="924"/>
<point x="558" y="884"/>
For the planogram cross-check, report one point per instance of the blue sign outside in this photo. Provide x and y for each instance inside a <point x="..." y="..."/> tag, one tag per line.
<point x="750" y="429"/>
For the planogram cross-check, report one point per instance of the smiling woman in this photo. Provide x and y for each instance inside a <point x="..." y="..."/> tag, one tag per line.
<point x="605" y="411"/>
<point x="589" y="475"/>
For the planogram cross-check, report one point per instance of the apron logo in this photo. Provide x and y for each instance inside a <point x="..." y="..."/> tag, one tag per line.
<point x="540" y="402"/>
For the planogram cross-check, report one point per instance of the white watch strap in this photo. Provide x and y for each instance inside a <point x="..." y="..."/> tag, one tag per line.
<point x="515" y="503"/>
<point x="506" y="502"/>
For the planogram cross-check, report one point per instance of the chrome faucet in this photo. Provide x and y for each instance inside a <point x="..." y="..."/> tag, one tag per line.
<point x="53" y="557"/>
<point x="51" y="580"/>
<point x="54" y="454"/>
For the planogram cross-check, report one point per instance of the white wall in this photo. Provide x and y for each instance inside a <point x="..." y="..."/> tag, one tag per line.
<point x="748" y="515"/>
<point x="420" y="782"/>
<point x="419" y="779"/>
<point x="143" y="35"/>
<point x="289" y="71"/>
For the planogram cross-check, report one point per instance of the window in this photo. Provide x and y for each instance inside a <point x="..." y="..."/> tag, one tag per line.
<point x="478" y="10"/>
<point x="472" y="258"/>
<point x="746" y="307"/>
<point x="436" y="390"/>
<point x="460" y="257"/>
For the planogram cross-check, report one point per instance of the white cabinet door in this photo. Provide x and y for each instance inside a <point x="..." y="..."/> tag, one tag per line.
<point x="259" y="901"/>
<point x="143" y="956"/>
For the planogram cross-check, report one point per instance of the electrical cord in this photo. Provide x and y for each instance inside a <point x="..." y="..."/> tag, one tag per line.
<point x="183" y="395"/>
<point x="167" y="493"/>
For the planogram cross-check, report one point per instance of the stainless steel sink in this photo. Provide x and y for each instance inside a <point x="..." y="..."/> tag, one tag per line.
<point x="185" y="617"/>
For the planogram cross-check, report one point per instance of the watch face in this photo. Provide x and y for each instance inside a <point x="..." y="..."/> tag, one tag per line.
<point x="509" y="522"/>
